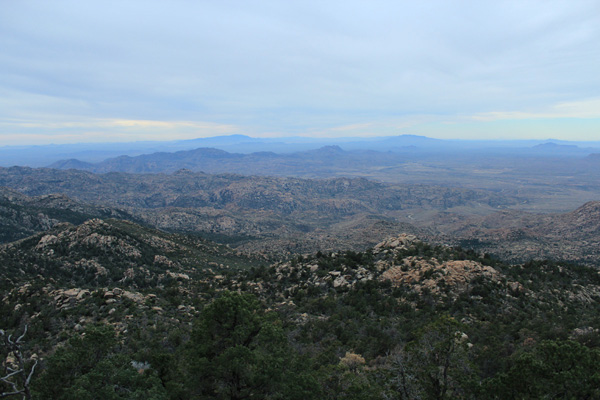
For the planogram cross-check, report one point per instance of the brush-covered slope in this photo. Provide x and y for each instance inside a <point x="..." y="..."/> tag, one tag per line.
<point x="109" y="252"/>
<point x="326" y="325"/>
<point x="21" y="215"/>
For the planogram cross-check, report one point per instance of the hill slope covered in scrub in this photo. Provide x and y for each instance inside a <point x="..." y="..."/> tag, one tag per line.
<point x="403" y="319"/>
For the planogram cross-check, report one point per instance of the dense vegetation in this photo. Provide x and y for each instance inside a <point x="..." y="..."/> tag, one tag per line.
<point x="322" y="326"/>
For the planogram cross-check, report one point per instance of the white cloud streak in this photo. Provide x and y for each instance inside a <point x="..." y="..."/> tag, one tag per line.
<point x="574" y="109"/>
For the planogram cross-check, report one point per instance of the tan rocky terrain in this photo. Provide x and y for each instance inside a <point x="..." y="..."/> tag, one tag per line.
<point x="420" y="270"/>
<point x="388" y="261"/>
<point x="327" y="198"/>
<point x="275" y="217"/>
<point x="518" y="236"/>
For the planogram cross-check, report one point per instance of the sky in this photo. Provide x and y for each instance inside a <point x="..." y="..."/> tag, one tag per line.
<point x="110" y="71"/>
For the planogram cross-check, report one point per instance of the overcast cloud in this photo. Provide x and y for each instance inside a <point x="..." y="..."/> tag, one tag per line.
<point x="75" y="71"/>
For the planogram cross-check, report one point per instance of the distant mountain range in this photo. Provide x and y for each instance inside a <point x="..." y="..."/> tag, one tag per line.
<point x="325" y="161"/>
<point x="42" y="155"/>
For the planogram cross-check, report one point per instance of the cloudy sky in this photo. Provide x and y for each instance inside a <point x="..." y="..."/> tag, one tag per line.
<point x="88" y="71"/>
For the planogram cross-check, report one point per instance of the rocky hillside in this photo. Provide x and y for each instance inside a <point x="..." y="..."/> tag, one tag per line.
<point x="21" y="215"/>
<point x="174" y="315"/>
<point x="275" y="217"/>
<point x="108" y="252"/>
<point x="518" y="236"/>
<point x="404" y="262"/>
<point x="256" y="214"/>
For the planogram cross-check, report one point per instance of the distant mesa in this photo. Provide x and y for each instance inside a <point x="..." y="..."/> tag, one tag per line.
<point x="555" y="146"/>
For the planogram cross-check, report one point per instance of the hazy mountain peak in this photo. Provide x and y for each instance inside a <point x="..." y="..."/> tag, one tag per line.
<point x="330" y="149"/>
<point x="71" y="163"/>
